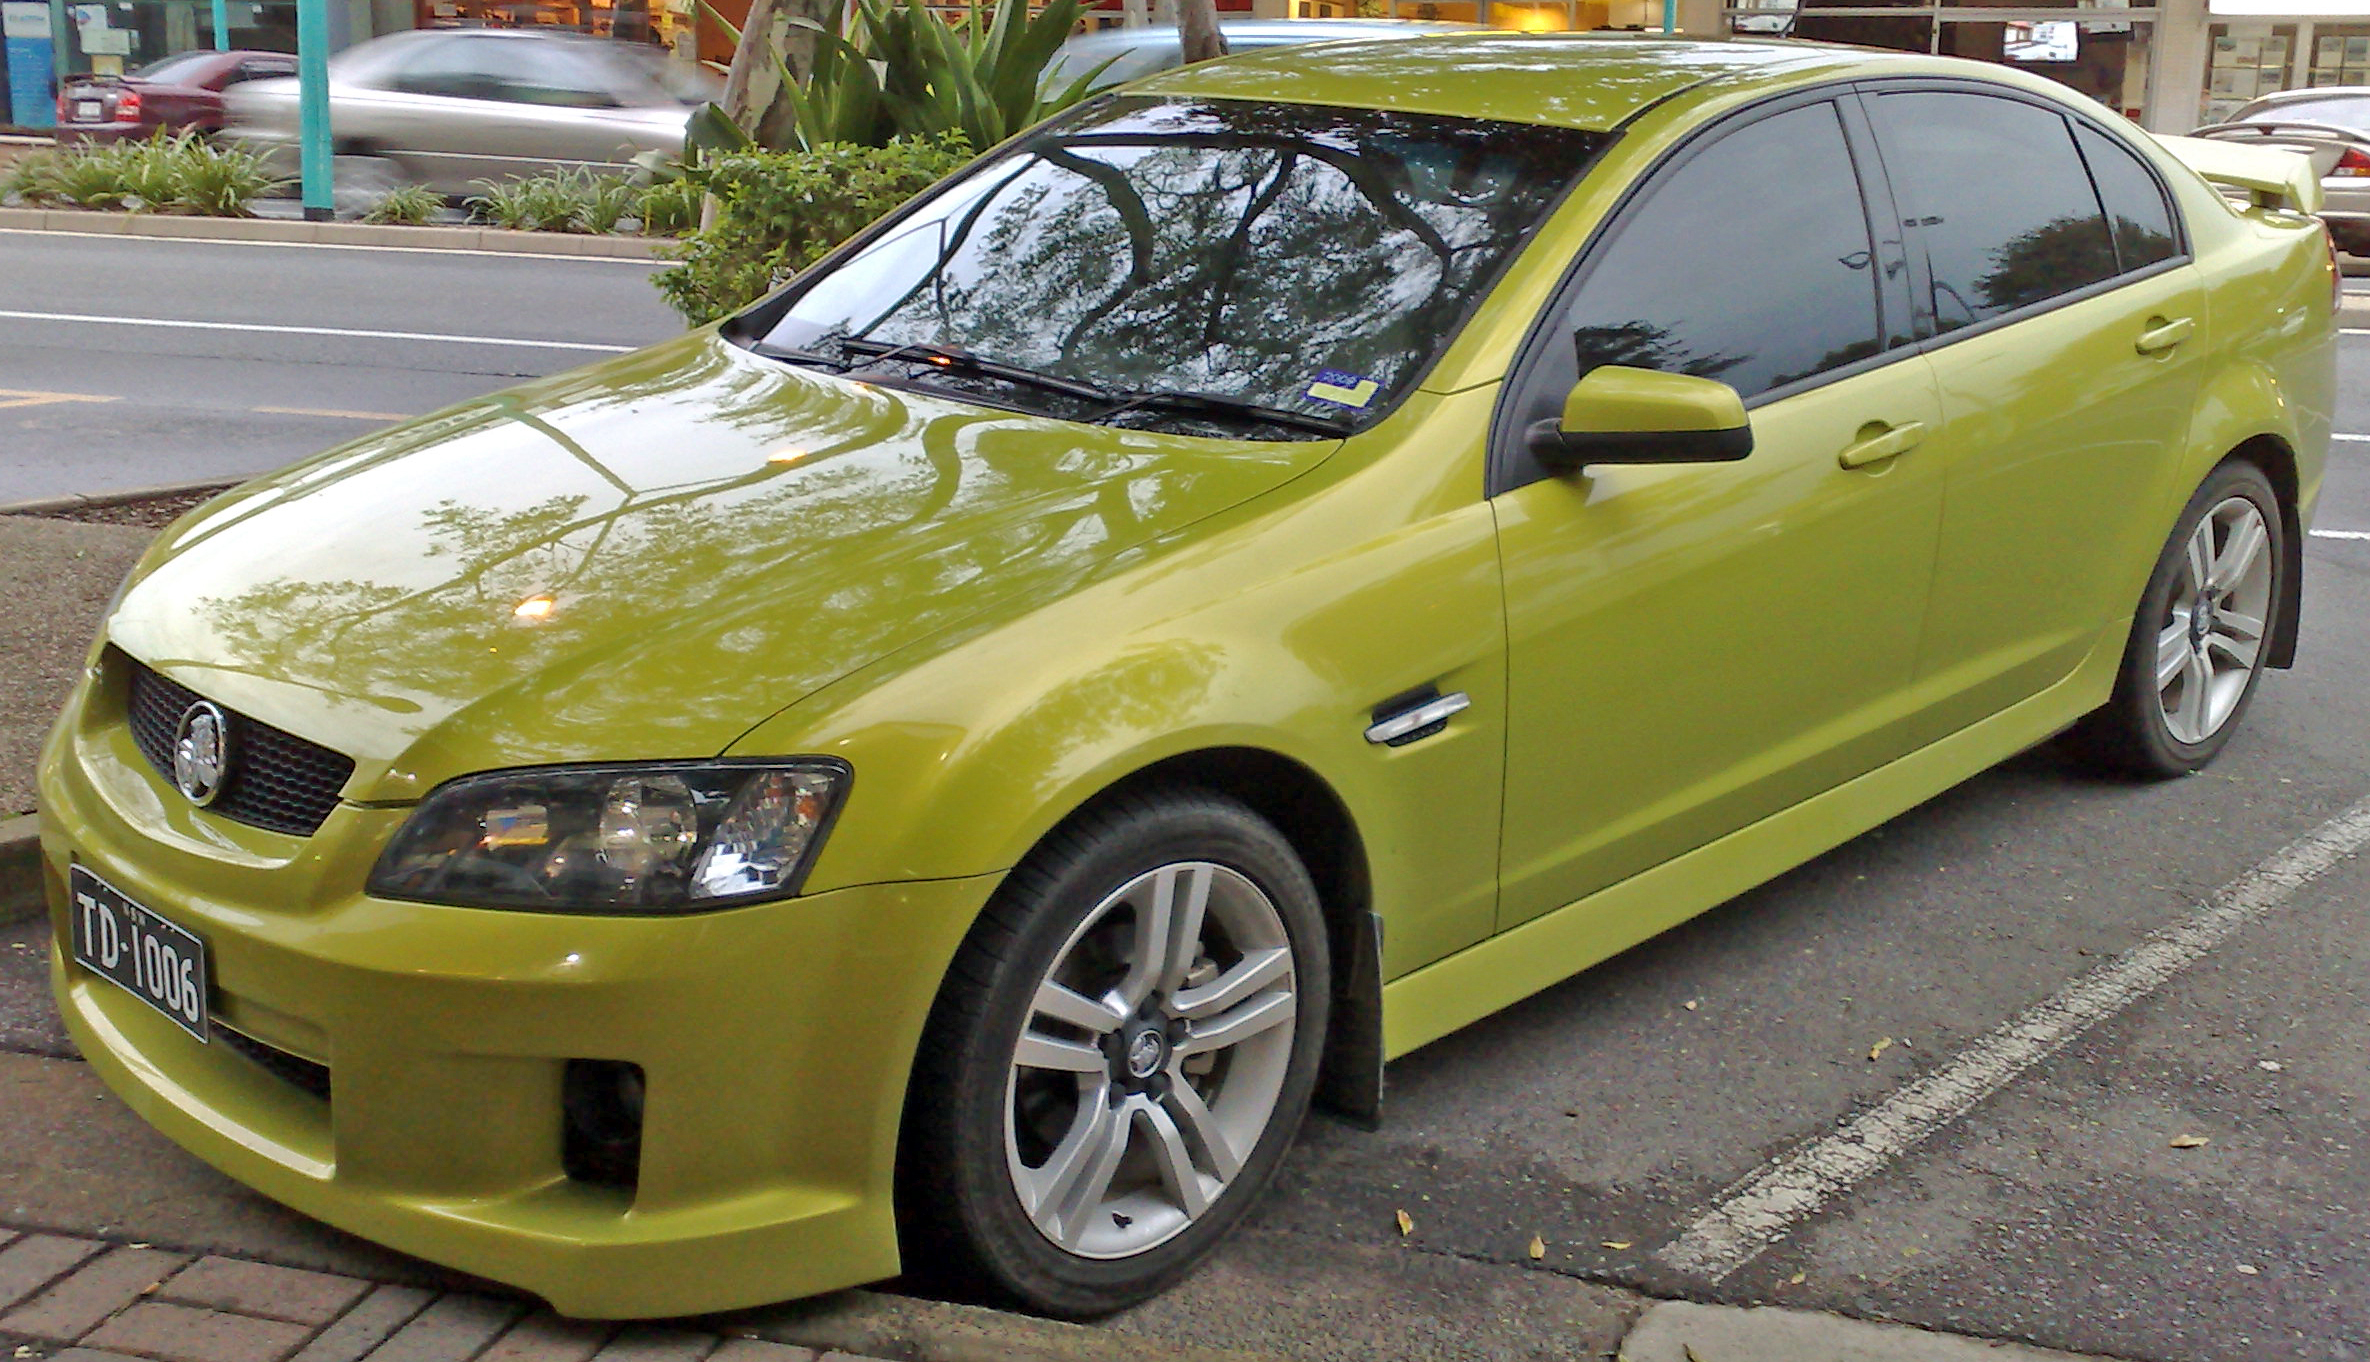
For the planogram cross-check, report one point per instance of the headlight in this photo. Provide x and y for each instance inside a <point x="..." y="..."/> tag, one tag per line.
<point x="662" y="837"/>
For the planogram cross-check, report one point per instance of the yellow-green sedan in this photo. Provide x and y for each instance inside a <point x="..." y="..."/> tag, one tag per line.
<point x="938" y="773"/>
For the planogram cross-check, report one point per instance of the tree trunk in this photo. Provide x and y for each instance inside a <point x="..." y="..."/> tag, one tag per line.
<point x="1197" y="30"/>
<point x="771" y="42"/>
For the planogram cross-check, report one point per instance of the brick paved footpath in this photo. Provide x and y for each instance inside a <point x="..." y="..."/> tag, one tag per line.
<point x="84" y="1300"/>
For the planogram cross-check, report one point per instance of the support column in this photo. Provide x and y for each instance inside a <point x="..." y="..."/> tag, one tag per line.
<point x="2176" y="77"/>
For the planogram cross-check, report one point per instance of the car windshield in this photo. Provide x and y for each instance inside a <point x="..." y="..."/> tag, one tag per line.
<point x="1295" y="258"/>
<point x="178" y="67"/>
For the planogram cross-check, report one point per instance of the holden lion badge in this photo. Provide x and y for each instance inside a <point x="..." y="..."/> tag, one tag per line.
<point x="201" y="753"/>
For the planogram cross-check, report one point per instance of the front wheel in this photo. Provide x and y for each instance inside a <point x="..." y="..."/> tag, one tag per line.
<point x="1122" y="1052"/>
<point x="2199" y="639"/>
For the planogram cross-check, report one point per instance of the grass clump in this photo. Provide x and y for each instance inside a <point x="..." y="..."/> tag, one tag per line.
<point x="410" y="205"/>
<point x="167" y="173"/>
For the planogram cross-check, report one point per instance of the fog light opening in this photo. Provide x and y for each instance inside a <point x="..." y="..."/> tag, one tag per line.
<point x="601" y="1134"/>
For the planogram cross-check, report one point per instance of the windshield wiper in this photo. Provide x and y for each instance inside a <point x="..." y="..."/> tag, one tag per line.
<point x="792" y="354"/>
<point x="963" y="361"/>
<point x="1211" y="404"/>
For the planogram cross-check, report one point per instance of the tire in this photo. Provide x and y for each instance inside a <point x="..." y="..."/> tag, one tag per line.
<point x="1087" y="1119"/>
<point x="2200" y="635"/>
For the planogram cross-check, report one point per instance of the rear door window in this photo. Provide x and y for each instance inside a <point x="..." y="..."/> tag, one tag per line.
<point x="2134" y="199"/>
<point x="1993" y="191"/>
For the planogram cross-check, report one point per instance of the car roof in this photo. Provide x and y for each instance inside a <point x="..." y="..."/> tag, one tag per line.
<point x="1594" y="81"/>
<point x="1299" y="30"/>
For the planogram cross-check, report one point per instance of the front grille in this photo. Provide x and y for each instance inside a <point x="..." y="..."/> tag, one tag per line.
<point x="277" y="780"/>
<point x="294" y="1070"/>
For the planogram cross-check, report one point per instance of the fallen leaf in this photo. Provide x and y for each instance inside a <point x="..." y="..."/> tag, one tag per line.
<point x="1406" y="1224"/>
<point x="2270" y="1066"/>
<point x="136" y="1244"/>
<point x="1879" y="1048"/>
<point x="2188" y="1141"/>
<point x="1538" y="1247"/>
<point x="1694" y="1003"/>
<point x="1615" y="1243"/>
<point x="1691" y="1354"/>
<point x="1796" y="1279"/>
<point x="2248" y="1268"/>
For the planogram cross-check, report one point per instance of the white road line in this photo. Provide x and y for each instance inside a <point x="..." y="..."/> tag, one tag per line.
<point x="87" y="320"/>
<point x="2341" y="534"/>
<point x="2364" y="439"/>
<point x="1764" y="1207"/>
<point x="105" y="235"/>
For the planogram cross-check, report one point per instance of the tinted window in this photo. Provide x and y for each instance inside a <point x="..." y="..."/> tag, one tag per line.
<point x="1994" y="192"/>
<point x="1749" y="264"/>
<point x="175" y="70"/>
<point x="2135" y="201"/>
<point x="1296" y="256"/>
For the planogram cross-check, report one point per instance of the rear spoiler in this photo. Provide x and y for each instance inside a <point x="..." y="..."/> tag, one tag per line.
<point x="2263" y="177"/>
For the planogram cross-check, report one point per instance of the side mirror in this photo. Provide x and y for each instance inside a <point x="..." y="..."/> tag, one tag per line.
<point x="1616" y="414"/>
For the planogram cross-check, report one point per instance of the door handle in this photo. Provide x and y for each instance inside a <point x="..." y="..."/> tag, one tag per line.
<point x="2162" y="335"/>
<point x="1890" y="443"/>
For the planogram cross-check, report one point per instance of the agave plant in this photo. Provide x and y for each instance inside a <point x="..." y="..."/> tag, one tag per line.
<point x="899" y="70"/>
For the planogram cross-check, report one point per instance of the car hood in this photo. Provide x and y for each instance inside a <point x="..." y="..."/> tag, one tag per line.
<point x="641" y="559"/>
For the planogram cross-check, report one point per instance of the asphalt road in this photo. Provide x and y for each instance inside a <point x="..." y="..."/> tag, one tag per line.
<point x="2185" y="1176"/>
<point x="130" y="362"/>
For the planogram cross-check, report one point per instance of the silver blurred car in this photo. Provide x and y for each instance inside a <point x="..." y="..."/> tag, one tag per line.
<point x="1137" y="52"/>
<point x="2330" y="124"/>
<point x="445" y="108"/>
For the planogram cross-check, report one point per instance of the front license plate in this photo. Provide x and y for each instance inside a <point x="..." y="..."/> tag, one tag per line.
<point x="86" y="111"/>
<point x="150" y="958"/>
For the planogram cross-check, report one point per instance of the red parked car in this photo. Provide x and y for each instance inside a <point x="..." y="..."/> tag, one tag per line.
<point x="181" y="91"/>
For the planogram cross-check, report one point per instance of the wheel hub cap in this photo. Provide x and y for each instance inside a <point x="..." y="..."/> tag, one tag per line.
<point x="1147" y="1050"/>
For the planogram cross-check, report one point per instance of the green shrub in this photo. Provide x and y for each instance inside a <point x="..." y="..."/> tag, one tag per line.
<point x="410" y="205"/>
<point x="572" y="200"/>
<point x="215" y="180"/>
<point x="607" y="200"/>
<point x="777" y="212"/>
<point x="670" y="207"/>
<point x="183" y="174"/>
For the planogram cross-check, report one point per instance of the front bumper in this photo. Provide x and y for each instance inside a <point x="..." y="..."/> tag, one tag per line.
<point x="775" y="1041"/>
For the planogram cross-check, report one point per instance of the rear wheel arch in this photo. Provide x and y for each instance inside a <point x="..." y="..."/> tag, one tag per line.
<point x="2278" y="463"/>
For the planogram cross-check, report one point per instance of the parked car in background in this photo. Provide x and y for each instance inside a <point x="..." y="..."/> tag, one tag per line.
<point x="2331" y="125"/>
<point x="1138" y="52"/>
<point x="446" y="108"/>
<point x="181" y="92"/>
<point x="934" y="774"/>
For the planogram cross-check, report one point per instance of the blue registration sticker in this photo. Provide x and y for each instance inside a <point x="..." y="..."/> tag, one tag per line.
<point x="1344" y="389"/>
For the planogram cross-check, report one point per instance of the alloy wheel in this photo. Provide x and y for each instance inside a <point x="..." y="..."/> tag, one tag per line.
<point x="2212" y="638"/>
<point x="1156" y="1048"/>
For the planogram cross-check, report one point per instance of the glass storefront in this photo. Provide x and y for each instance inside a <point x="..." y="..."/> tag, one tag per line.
<point x="2102" y="50"/>
<point x="111" y="37"/>
<point x="2249" y="58"/>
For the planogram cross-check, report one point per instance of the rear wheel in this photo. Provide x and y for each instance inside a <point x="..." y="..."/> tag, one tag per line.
<point x="1119" y="1058"/>
<point x="2199" y="639"/>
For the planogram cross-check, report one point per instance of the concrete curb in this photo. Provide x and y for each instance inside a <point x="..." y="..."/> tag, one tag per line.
<point x="20" y="868"/>
<point x="279" y="232"/>
<point x="1681" y="1331"/>
<point x="76" y="501"/>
